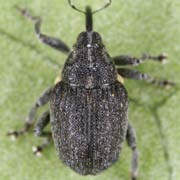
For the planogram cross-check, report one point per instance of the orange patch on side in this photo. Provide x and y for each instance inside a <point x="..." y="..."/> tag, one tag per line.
<point x="120" y="79"/>
<point x="58" y="79"/>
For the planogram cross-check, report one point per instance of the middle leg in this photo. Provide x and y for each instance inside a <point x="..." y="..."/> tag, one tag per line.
<point x="133" y="74"/>
<point x="42" y="100"/>
<point x="39" y="131"/>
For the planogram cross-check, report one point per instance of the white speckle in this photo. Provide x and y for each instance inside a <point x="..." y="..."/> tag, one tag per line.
<point x="96" y="45"/>
<point x="88" y="45"/>
<point x="164" y="61"/>
<point x="34" y="149"/>
<point x="121" y="104"/>
<point x="164" y="54"/>
<point x="13" y="138"/>
<point x="38" y="154"/>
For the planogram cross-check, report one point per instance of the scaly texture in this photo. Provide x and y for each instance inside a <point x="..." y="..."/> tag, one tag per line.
<point x="89" y="125"/>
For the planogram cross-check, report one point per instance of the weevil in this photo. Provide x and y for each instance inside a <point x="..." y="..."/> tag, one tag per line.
<point x="89" y="103"/>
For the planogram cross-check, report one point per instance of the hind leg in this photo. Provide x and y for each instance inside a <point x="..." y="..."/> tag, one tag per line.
<point x="39" y="131"/>
<point x="131" y="141"/>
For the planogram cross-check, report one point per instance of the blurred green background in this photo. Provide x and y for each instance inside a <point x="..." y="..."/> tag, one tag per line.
<point x="27" y="67"/>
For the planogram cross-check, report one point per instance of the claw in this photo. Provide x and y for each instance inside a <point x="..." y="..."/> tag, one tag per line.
<point x="13" y="135"/>
<point x="163" y="58"/>
<point x="134" y="175"/>
<point x="163" y="83"/>
<point x="37" y="151"/>
<point x="168" y="83"/>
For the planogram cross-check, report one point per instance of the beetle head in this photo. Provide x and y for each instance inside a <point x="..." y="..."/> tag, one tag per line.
<point x="89" y="39"/>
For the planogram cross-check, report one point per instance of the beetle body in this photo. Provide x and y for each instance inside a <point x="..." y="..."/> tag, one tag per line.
<point x="88" y="104"/>
<point x="89" y="108"/>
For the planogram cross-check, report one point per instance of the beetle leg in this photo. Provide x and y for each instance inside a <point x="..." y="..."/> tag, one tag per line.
<point x="128" y="60"/>
<point x="133" y="74"/>
<point x="131" y="140"/>
<point x="42" y="100"/>
<point x="41" y="124"/>
<point x="37" y="150"/>
<point x="50" y="41"/>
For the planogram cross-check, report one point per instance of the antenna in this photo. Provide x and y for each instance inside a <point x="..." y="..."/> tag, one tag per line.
<point x="93" y="12"/>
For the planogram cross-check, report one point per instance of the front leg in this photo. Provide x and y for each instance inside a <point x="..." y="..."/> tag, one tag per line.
<point x="50" y="41"/>
<point x="134" y="61"/>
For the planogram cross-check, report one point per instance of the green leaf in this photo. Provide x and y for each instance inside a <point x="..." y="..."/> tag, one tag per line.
<point x="28" y="67"/>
